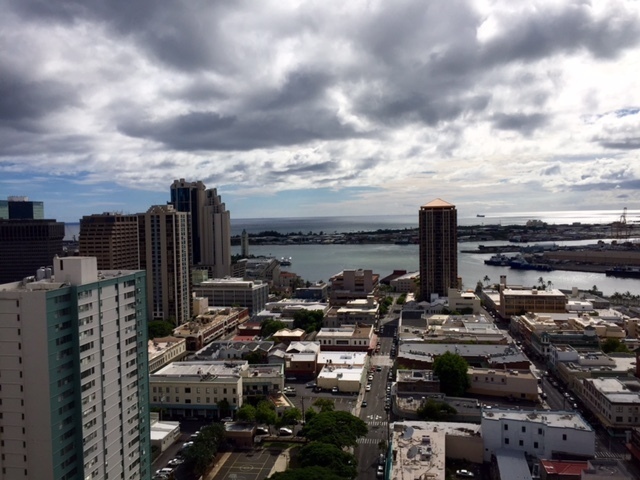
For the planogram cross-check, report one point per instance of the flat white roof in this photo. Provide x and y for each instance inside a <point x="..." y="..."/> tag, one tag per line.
<point x="554" y="419"/>
<point x="198" y="369"/>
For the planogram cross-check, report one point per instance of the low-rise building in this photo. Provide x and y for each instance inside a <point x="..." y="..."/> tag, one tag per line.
<point x="539" y="434"/>
<point x="346" y="379"/>
<point x="416" y="382"/>
<point x="318" y="292"/>
<point x="342" y="360"/>
<point x="211" y="389"/>
<point x="516" y="301"/>
<point x="465" y="302"/>
<point x="516" y="384"/>
<point x="163" y="433"/>
<point x="225" y="292"/>
<point x="420" y="355"/>
<point x="288" y="336"/>
<point x="212" y="324"/>
<point x="407" y="283"/>
<point x="420" y="449"/>
<point x="256" y="350"/>
<point x="352" y="284"/>
<point x="347" y="338"/>
<point x="165" y="350"/>
<point x="571" y="365"/>
<point x="614" y="401"/>
<point x="360" y="311"/>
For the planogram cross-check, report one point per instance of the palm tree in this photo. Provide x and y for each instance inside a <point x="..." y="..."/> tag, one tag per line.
<point x="486" y="280"/>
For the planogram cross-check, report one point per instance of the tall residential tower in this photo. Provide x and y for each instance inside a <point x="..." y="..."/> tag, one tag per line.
<point x="165" y="246"/>
<point x="438" y="237"/>
<point x="74" y="397"/>
<point x="210" y="225"/>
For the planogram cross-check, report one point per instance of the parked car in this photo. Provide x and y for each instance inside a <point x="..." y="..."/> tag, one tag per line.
<point x="174" y="462"/>
<point x="283" y="432"/>
<point x="380" y="472"/>
<point x="311" y="384"/>
<point x="378" y="368"/>
<point x="367" y="388"/>
<point x="381" y="459"/>
<point x="334" y="390"/>
<point x="262" y="431"/>
<point x="371" y="378"/>
<point x="364" y="403"/>
<point x="464" y="474"/>
<point x="291" y="379"/>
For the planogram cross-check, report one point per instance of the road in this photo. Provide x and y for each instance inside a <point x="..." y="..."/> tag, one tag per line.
<point x="374" y="414"/>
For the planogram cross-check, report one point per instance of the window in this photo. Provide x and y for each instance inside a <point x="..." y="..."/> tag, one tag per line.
<point x="524" y="429"/>
<point x="539" y="431"/>
<point x="564" y="436"/>
<point x="506" y="427"/>
<point x="506" y="441"/>
<point x="521" y="442"/>
<point x="535" y="444"/>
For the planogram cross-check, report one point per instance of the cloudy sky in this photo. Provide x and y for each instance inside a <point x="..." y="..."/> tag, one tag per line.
<point x="314" y="108"/>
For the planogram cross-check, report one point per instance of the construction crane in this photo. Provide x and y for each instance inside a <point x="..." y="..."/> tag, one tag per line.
<point x="620" y="228"/>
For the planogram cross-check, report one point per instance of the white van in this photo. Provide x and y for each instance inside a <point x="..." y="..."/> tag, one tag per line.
<point x="285" y="431"/>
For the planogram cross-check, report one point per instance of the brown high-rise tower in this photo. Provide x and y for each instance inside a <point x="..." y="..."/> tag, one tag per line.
<point x="438" y="235"/>
<point x="112" y="238"/>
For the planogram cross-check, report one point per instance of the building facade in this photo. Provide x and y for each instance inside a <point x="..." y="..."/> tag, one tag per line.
<point x="210" y="225"/>
<point x="165" y="239"/>
<point x="538" y="434"/>
<point x="74" y="398"/>
<point x="26" y="245"/>
<point x="438" y="241"/>
<point x="226" y="292"/>
<point x="112" y="238"/>
<point x="16" y="207"/>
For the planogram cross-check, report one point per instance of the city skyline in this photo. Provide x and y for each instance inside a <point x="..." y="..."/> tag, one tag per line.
<point x="304" y="110"/>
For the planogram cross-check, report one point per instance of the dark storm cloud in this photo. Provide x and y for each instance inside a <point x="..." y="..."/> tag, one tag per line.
<point x="542" y="32"/>
<point x="23" y="99"/>
<point x="627" y="144"/>
<point x="213" y="131"/>
<point x="551" y="170"/>
<point x="182" y="35"/>
<point x="519" y="122"/>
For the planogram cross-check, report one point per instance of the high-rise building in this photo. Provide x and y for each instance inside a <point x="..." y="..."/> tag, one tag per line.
<point x="438" y="237"/>
<point x="210" y="225"/>
<point x="26" y="245"/>
<point x="244" y="242"/>
<point x="21" y="208"/>
<point x="112" y="238"/>
<point x="74" y="397"/>
<point x="165" y="245"/>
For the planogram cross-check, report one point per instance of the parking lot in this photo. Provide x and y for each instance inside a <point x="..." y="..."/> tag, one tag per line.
<point x="252" y="465"/>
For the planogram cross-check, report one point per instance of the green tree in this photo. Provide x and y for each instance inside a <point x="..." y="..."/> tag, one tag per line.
<point x="432" y="410"/>
<point x="266" y="413"/>
<point x="329" y="456"/>
<point x="247" y="413"/>
<point x="224" y="408"/>
<point x="337" y="428"/>
<point x="160" y="328"/>
<point x="308" y="320"/>
<point x="306" y="473"/>
<point x="254" y="357"/>
<point x="291" y="416"/>
<point x="269" y="327"/>
<point x="452" y="370"/>
<point x="486" y="280"/>
<point x="325" y="404"/>
<point x="614" y="345"/>
<point x="205" y="447"/>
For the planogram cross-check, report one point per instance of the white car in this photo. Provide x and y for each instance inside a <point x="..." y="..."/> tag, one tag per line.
<point x="367" y="388"/>
<point x="464" y="474"/>
<point x="370" y="378"/>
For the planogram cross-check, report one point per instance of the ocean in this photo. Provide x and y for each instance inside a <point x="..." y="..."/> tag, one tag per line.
<point x="320" y="262"/>
<point x="372" y="223"/>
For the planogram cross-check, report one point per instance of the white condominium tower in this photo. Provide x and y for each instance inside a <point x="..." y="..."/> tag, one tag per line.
<point x="73" y="372"/>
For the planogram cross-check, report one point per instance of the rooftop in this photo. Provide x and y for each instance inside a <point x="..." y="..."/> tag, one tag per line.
<point x="197" y="370"/>
<point x="552" y="419"/>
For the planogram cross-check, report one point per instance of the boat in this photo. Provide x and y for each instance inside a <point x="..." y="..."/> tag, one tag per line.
<point x="285" y="261"/>
<point x="520" y="263"/>
<point x="498" y="260"/>
<point x="480" y="215"/>
<point x="625" y="272"/>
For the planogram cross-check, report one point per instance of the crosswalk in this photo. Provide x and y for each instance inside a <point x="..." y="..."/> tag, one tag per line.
<point x="369" y="441"/>
<point x="620" y="456"/>
<point x="376" y="423"/>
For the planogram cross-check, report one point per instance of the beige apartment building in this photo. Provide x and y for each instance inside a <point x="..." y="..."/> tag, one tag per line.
<point x="352" y="284"/>
<point x="165" y="350"/>
<point x="347" y="338"/>
<point x="517" y="384"/>
<point x="519" y="301"/>
<point x="615" y="401"/>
